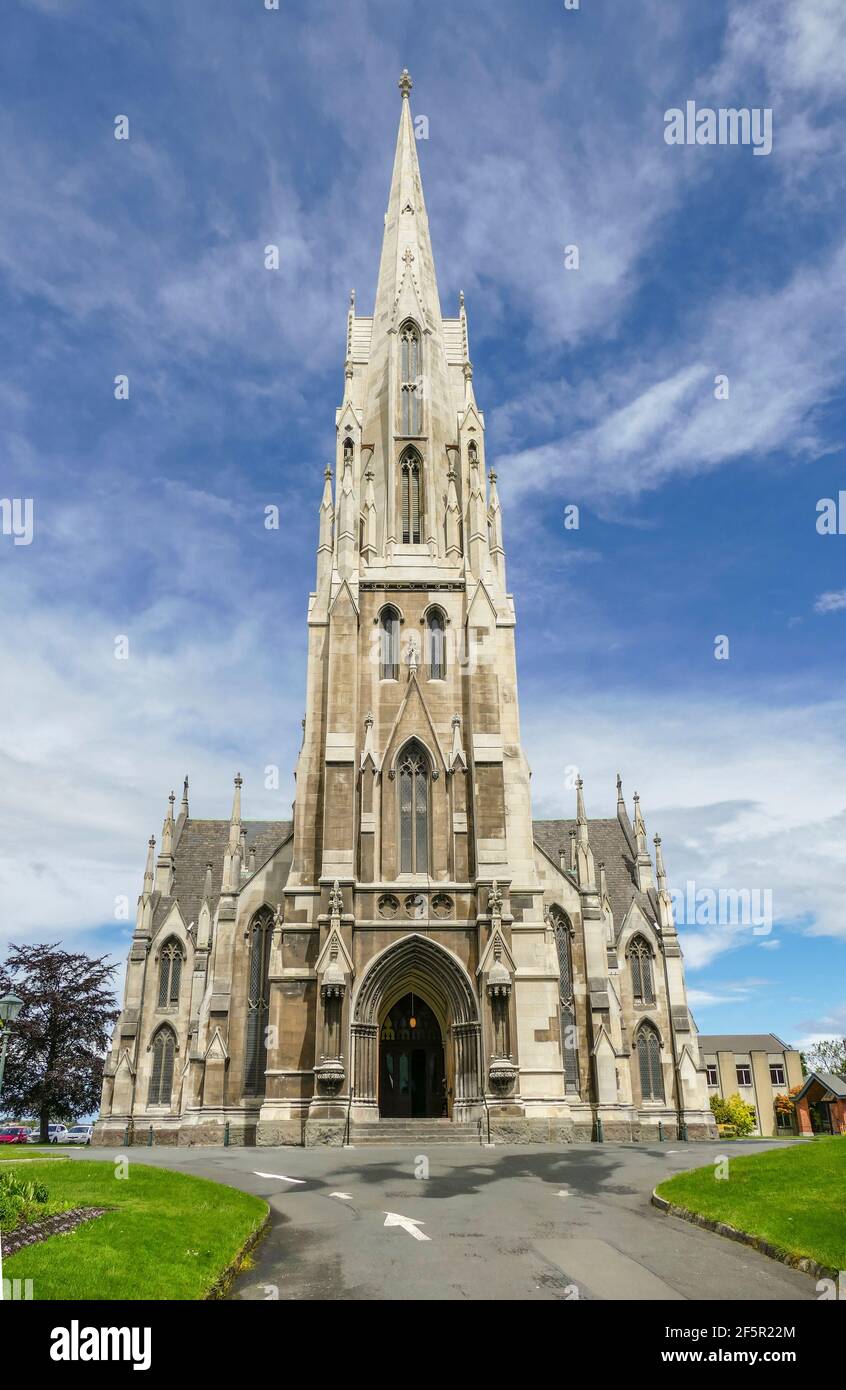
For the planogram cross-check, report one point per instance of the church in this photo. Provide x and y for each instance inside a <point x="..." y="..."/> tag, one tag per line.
<point x="411" y="953"/>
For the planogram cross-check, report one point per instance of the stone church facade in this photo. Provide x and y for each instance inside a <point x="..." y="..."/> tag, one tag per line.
<point x="412" y="945"/>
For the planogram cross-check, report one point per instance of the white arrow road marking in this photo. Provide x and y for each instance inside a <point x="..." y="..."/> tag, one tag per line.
<point x="408" y="1223"/>
<point x="279" y="1177"/>
<point x="342" y="1196"/>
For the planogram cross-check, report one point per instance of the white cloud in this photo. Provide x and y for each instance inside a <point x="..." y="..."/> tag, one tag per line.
<point x="741" y="792"/>
<point x="831" y="602"/>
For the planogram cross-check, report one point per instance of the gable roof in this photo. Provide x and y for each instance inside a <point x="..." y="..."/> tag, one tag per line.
<point x="835" y="1084"/>
<point x="204" y="841"/>
<point x="610" y="846"/>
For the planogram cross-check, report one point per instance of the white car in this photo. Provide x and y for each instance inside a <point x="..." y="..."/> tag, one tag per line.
<point x="78" y="1134"/>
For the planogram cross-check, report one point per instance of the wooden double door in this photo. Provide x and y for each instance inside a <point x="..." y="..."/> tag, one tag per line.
<point x="412" y="1077"/>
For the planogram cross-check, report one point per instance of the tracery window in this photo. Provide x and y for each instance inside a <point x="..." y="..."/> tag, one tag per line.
<point x="389" y="653"/>
<point x="649" y="1063"/>
<point x="258" y="1001"/>
<point x="410" y="379"/>
<point x="170" y="974"/>
<point x="640" y="963"/>
<point x="161" y="1071"/>
<point x="414" y="810"/>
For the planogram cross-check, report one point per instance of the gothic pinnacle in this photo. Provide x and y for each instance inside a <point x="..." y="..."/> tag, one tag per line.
<point x="405" y="84"/>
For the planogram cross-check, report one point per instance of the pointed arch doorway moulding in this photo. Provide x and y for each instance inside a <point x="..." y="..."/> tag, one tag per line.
<point x="416" y="964"/>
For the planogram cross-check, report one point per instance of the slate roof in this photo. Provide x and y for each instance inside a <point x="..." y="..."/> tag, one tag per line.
<point x="742" y="1042"/>
<point x="610" y="846"/>
<point x="835" y="1084"/>
<point x="204" y="841"/>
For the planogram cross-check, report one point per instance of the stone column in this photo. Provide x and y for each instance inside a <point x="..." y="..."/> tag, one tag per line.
<point x="365" y="1051"/>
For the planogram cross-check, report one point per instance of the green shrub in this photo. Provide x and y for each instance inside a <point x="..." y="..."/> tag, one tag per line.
<point x="734" y="1111"/>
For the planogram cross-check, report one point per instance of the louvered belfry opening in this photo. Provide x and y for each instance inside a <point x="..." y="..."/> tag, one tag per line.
<point x="410" y="379"/>
<point x="411" y="481"/>
<point x="258" y="1001"/>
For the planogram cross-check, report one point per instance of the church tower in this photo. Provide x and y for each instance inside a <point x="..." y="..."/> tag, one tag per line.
<point x="411" y="946"/>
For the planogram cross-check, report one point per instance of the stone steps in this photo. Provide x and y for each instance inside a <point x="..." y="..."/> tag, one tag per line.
<point x="398" y="1133"/>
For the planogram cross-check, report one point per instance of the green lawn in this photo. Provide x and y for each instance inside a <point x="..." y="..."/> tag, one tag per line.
<point x="169" y="1236"/>
<point x="794" y="1198"/>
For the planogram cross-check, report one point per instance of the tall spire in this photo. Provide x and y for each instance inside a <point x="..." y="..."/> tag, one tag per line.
<point x="407" y="246"/>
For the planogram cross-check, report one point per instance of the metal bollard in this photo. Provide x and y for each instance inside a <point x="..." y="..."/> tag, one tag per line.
<point x="660" y="1132"/>
<point x="599" y="1136"/>
<point x="226" y="1135"/>
<point x="150" y="1137"/>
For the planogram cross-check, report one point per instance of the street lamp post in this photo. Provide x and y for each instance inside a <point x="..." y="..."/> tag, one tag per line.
<point x="10" y="1007"/>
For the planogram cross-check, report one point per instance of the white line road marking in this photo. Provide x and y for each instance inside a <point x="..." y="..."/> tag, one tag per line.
<point x="279" y="1177"/>
<point x="407" y="1222"/>
<point x="342" y="1196"/>
<point x="562" y="1193"/>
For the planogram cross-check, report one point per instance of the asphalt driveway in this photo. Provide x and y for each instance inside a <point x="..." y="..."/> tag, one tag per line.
<point x="462" y="1221"/>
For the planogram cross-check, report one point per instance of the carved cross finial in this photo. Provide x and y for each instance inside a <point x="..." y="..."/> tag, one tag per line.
<point x="408" y="255"/>
<point x="405" y="84"/>
<point x="336" y="899"/>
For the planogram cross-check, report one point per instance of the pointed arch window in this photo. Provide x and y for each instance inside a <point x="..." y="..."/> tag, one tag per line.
<point x="411" y="385"/>
<point x="389" y="646"/>
<point x="562" y="933"/>
<point x="258" y="1001"/>
<point x="414" y="810"/>
<point x="649" y="1063"/>
<point x="170" y="974"/>
<point x="436" y="645"/>
<point x="161" y="1071"/>
<point x="640" y="963"/>
<point x="411" y="496"/>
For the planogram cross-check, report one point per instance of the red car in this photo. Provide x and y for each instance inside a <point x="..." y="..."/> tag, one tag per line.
<point x="13" y="1134"/>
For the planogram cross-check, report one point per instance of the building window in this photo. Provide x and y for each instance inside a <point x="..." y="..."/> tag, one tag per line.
<point x="414" y="810"/>
<point x="410" y="483"/>
<point x="436" y="645"/>
<point x="562" y="932"/>
<point x="161" y="1072"/>
<point x="410" y="382"/>
<point x="389" y="626"/>
<point x="777" y="1075"/>
<point x="170" y="975"/>
<point x="711" y="1073"/>
<point x="784" y="1120"/>
<point x="258" y="1001"/>
<point x="649" y="1063"/>
<point x="640" y="961"/>
<point x="744" y="1076"/>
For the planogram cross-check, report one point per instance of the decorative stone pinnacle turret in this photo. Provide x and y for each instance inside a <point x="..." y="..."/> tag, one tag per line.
<point x="184" y="806"/>
<point x="405" y="84"/>
<point x="336" y="900"/>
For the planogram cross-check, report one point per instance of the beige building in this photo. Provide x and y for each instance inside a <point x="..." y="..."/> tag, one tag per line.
<point x="411" y="946"/>
<point x="755" y="1066"/>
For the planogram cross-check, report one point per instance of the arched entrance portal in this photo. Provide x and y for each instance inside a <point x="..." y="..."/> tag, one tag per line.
<point x="412" y="1077"/>
<point x="416" y="965"/>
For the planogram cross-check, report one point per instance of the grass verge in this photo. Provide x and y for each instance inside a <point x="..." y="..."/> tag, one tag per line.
<point x="792" y="1198"/>
<point x="166" y="1235"/>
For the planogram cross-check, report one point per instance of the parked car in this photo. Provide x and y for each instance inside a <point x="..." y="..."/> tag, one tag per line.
<point x="79" y="1134"/>
<point x="13" y="1134"/>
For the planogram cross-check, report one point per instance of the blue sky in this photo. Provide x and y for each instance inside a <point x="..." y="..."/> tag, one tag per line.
<point x="698" y="516"/>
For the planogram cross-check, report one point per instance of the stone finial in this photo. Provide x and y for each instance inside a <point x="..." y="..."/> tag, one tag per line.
<point x="405" y="84"/>
<point x="184" y="806"/>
